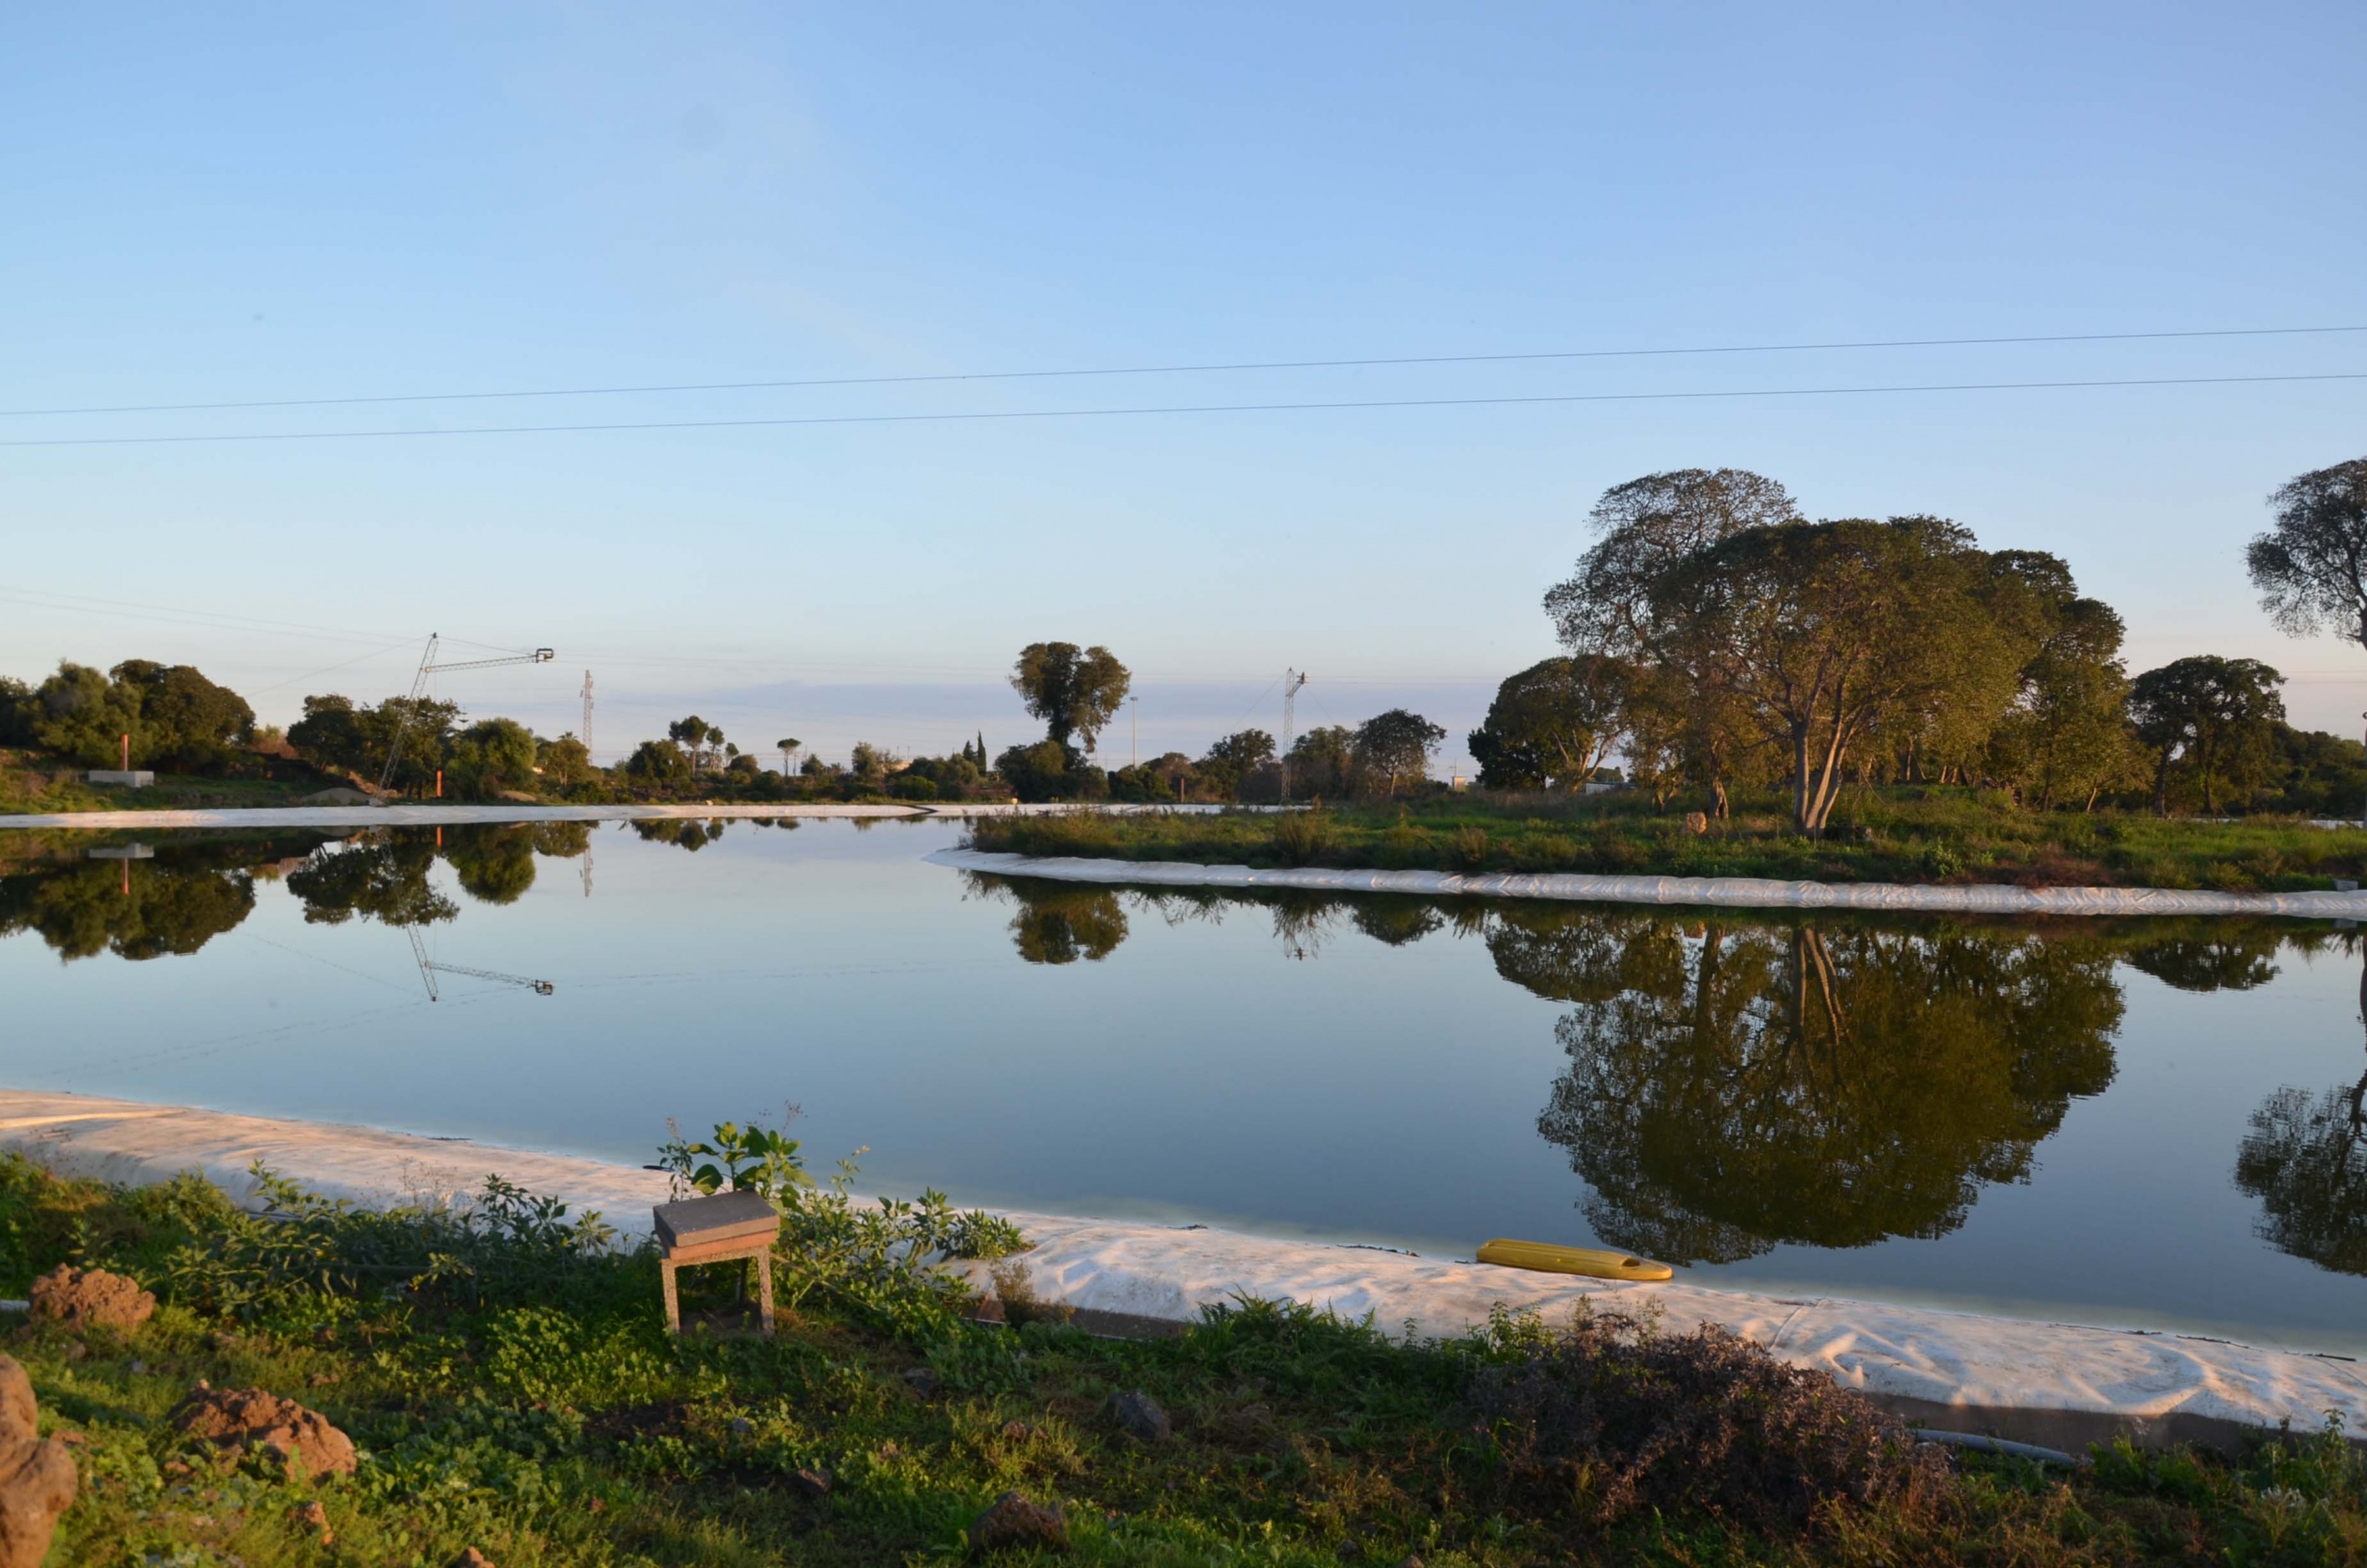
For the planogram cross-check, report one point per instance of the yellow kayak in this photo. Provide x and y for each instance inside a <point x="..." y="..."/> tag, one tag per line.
<point x="1589" y="1261"/>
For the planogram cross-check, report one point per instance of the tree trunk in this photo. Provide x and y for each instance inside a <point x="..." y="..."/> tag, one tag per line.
<point x="1800" y="777"/>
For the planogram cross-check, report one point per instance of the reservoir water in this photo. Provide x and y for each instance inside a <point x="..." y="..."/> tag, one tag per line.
<point x="2155" y="1123"/>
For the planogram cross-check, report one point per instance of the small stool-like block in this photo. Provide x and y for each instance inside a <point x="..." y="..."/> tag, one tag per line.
<point x="722" y="1229"/>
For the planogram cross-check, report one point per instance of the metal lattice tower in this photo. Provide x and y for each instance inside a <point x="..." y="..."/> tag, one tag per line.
<point x="1291" y="680"/>
<point x="586" y="735"/>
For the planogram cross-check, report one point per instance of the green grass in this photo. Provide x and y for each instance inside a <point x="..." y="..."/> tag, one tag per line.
<point x="1912" y="835"/>
<point x="31" y="783"/>
<point x="544" y="1419"/>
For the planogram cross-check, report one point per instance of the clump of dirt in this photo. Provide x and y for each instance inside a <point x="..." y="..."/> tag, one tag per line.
<point x="1611" y="1418"/>
<point x="1014" y="1523"/>
<point x="243" y="1420"/>
<point x="37" y="1479"/>
<point x="91" y="1298"/>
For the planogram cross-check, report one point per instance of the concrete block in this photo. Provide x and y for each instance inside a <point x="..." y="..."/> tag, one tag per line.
<point x="139" y="778"/>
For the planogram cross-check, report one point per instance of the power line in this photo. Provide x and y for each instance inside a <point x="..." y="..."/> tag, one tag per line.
<point x="976" y="416"/>
<point x="1188" y="370"/>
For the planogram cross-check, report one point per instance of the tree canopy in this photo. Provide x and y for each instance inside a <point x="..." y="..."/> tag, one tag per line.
<point x="1395" y="747"/>
<point x="2310" y="567"/>
<point x="2210" y="719"/>
<point x="1554" y="723"/>
<point x="1075" y="691"/>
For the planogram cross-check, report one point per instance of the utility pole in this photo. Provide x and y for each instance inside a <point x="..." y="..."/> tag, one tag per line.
<point x="586" y="736"/>
<point x="1291" y="680"/>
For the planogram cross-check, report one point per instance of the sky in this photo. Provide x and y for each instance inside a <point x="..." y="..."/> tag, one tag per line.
<point x="256" y="204"/>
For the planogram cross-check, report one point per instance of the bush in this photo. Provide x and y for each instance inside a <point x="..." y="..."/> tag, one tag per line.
<point x="1611" y="1418"/>
<point x="1300" y="837"/>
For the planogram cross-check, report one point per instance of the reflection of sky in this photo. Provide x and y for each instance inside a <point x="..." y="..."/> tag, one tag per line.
<point x="1197" y="1072"/>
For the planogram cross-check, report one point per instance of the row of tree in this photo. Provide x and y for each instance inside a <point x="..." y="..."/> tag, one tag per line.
<point x="1716" y="639"/>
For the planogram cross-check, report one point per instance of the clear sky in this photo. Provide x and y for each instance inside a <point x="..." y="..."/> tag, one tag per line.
<point x="230" y="203"/>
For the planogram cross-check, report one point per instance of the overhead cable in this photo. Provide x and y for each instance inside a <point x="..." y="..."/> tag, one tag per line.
<point x="981" y="415"/>
<point x="1198" y="369"/>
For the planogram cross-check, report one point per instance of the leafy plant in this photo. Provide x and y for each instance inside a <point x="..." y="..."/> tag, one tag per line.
<point x="754" y="1159"/>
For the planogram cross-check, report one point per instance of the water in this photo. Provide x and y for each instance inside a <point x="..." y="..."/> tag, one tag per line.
<point x="2153" y="1123"/>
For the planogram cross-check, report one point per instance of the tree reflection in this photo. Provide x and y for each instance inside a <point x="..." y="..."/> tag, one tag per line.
<point x="1061" y="922"/>
<point x="137" y="912"/>
<point x="2305" y="1159"/>
<point x="1752" y="1086"/>
<point x="385" y="879"/>
<point x="683" y="832"/>
<point x="494" y="865"/>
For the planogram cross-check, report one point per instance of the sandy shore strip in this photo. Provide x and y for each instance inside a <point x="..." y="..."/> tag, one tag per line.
<point x="2056" y="1384"/>
<point x="1729" y="892"/>
<point x="422" y="814"/>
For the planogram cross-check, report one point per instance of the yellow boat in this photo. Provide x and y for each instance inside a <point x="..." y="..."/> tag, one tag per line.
<point x="1590" y="1261"/>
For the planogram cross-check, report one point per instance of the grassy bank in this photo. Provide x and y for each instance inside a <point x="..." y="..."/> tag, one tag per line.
<point x="1908" y="834"/>
<point x="32" y="782"/>
<point x="510" y="1390"/>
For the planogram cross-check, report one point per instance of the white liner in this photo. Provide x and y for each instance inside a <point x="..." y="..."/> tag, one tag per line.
<point x="420" y="814"/>
<point x="2038" y="1381"/>
<point x="1743" y="892"/>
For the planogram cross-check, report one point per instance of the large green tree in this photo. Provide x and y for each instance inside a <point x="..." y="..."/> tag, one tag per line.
<point x="82" y="715"/>
<point x="1074" y="690"/>
<point x="2066" y="735"/>
<point x="1644" y="527"/>
<point x="2310" y="567"/>
<point x="1554" y="723"/>
<point x="1394" y="748"/>
<point x="2210" y="723"/>
<point x="1821" y="634"/>
<point x="190" y="722"/>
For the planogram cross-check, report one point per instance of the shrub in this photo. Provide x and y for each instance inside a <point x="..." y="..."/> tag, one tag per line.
<point x="1611" y="1418"/>
<point x="1300" y="837"/>
<point x="1469" y="848"/>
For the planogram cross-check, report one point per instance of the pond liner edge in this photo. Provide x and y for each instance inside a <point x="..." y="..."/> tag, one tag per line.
<point x="2058" y="1385"/>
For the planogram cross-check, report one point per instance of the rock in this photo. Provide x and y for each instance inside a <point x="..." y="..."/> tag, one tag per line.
<point x="341" y="796"/>
<point x="314" y="1515"/>
<point x="1015" y="1522"/>
<point x="1139" y="1415"/>
<point x="472" y="1558"/>
<point x="924" y="1379"/>
<point x="245" y="1419"/>
<point x="1696" y="822"/>
<point x="91" y="1298"/>
<point x="37" y="1479"/>
<point x="812" y="1483"/>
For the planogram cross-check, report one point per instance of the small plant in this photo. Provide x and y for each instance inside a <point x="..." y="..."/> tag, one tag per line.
<point x="1469" y="848"/>
<point x="754" y="1159"/>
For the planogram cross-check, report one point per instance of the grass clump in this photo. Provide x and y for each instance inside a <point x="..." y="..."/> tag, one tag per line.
<point x="1909" y="834"/>
<point x="533" y="1408"/>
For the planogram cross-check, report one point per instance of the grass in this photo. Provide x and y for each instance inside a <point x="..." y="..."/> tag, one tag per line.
<point x="1910" y="835"/>
<point x="539" y="1416"/>
<point x="31" y="782"/>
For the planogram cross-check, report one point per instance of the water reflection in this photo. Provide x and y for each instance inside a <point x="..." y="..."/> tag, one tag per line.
<point x="1755" y="1085"/>
<point x="2305" y="1159"/>
<point x="1738" y="1083"/>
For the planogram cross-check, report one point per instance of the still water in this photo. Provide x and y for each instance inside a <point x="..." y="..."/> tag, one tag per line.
<point x="2145" y="1122"/>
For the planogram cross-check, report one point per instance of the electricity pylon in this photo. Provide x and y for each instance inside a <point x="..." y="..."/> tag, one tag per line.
<point x="1291" y="680"/>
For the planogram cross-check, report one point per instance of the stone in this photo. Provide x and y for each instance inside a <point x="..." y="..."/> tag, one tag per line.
<point x="1696" y="822"/>
<point x="812" y="1483"/>
<point x="240" y="1420"/>
<point x="91" y="1298"/>
<point x="314" y="1515"/>
<point x="1139" y="1415"/>
<point x="1013" y="1521"/>
<point x="741" y="1426"/>
<point x="339" y="796"/>
<point x="37" y="1479"/>
<point x="472" y="1558"/>
<point x="924" y="1379"/>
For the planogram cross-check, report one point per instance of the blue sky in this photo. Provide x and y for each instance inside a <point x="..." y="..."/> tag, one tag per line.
<point x="263" y="202"/>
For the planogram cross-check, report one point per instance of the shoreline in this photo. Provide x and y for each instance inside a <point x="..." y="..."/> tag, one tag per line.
<point x="2061" y="1385"/>
<point x="422" y="814"/>
<point x="1731" y="892"/>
